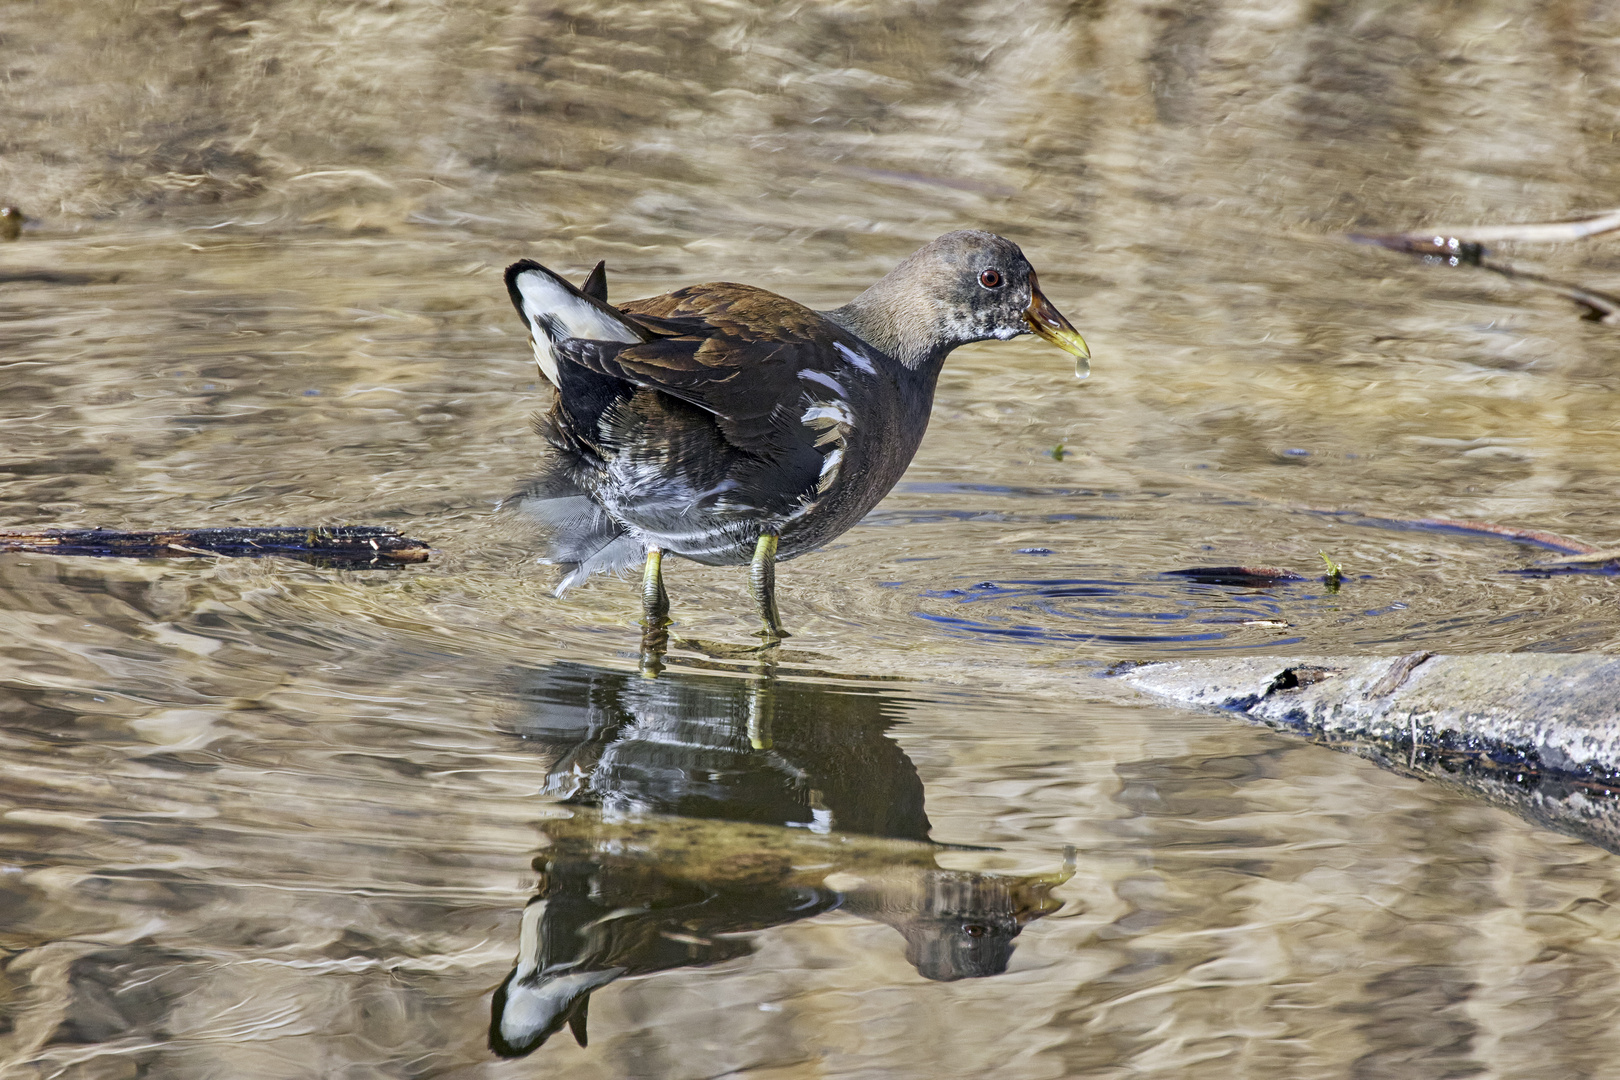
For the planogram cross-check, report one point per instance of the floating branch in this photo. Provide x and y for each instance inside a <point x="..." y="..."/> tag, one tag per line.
<point x="1578" y="557"/>
<point x="1578" y="551"/>
<point x="1606" y="563"/>
<point x="337" y="545"/>
<point x="1465" y="247"/>
<point x="1260" y="577"/>
<point x="1581" y="556"/>
<point x="1550" y="541"/>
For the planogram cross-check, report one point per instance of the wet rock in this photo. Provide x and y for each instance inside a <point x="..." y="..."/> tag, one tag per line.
<point x="1565" y="708"/>
<point x="1536" y="732"/>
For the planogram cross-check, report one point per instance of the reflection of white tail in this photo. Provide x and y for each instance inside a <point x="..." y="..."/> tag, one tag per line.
<point x="555" y="310"/>
<point x="533" y="1003"/>
<point x="536" y="1008"/>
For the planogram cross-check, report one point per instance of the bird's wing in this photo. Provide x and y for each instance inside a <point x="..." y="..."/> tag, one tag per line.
<point x="736" y="352"/>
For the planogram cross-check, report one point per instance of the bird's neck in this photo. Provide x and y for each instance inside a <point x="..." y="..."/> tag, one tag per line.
<point x="882" y="317"/>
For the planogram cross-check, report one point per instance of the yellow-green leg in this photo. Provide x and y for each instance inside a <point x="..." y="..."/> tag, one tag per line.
<point x="762" y="583"/>
<point x="654" y="615"/>
<point x="654" y="600"/>
<point x="761" y="714"/>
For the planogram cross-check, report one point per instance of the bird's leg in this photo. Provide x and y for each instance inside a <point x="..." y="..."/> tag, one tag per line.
<point x="655" y="604"/>
<point x="654" y="644"/>
<point x="654" y="600"/>
<point x="762" y="583"/>
<point x="761" y="713"/>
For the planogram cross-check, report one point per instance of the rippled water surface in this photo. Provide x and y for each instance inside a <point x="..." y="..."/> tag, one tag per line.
<point x="267" y="819"/>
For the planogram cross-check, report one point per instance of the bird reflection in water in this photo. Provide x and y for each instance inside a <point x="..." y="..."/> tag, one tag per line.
<point x="705" y="806"/>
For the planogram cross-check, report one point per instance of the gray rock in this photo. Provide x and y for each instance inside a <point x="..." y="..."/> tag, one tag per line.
<point x="1538" y="733"/>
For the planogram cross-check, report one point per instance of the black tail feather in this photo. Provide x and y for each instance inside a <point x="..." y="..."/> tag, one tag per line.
<point x="576" y="1019"/>
<point x="595" y="285"/>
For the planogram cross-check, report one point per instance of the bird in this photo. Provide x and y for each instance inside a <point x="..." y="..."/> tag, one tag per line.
<point x="729" y="425"/>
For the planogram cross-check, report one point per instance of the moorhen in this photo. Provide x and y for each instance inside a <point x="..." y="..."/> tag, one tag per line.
<point x="727" y="424"/>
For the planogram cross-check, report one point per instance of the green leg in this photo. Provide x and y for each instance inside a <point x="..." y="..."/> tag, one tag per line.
<point x="762" y="702"/>
<point x="762" y="583"/>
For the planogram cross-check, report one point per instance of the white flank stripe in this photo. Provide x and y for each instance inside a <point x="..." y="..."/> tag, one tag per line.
<point x="825" y="380"/>
<point x="836" y="411"/>
<point x="831" y="462"/>
<point x="855" y="358"/>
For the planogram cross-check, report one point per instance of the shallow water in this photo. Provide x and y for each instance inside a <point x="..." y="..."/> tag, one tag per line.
<point x="272" y="820"/>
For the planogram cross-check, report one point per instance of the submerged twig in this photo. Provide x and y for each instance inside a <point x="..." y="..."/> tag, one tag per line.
<point x="1578" y="553"/>
<point x="1256" y="576"/>
<point x="1596" y="556"/>
<point x="1550" y="541"/>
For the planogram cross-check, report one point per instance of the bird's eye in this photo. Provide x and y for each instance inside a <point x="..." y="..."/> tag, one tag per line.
<point x="990" y="279"/>
<point x="974" y="929"/>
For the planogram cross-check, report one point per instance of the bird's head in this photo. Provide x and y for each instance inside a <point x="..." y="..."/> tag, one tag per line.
<point x="963" y="287"/>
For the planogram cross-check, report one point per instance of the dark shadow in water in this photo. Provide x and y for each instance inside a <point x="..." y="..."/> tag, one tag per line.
<point x="1185" y="608"/>
<point x="705" y="806"/>
<point x="762" y="750"/>
<point x="1582" y="803"/>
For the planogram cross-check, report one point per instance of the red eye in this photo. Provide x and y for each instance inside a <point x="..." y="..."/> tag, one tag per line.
<point x="990" y="279"/>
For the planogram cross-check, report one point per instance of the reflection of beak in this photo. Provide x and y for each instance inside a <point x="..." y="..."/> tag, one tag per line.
<point x="1049" y="323"/>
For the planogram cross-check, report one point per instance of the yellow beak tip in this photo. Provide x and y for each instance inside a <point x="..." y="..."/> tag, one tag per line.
<point x="1046" y="322"/>
<point x="1068" y="339"/>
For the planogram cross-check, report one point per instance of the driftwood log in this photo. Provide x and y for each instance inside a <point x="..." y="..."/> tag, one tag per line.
<point x="336" y="545"/>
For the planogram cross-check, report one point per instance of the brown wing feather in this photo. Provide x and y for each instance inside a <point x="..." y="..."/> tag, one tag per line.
<point x="739" y="312"/>
<point x="739" y="360"/>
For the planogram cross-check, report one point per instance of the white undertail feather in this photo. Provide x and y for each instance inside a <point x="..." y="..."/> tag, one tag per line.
<point x="554" y="312"/>
<point x="585" y="540"/>
<point x="614" y="557"/>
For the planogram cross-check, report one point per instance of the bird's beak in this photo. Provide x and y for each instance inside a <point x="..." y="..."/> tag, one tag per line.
<point x="1049" y="323"/>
